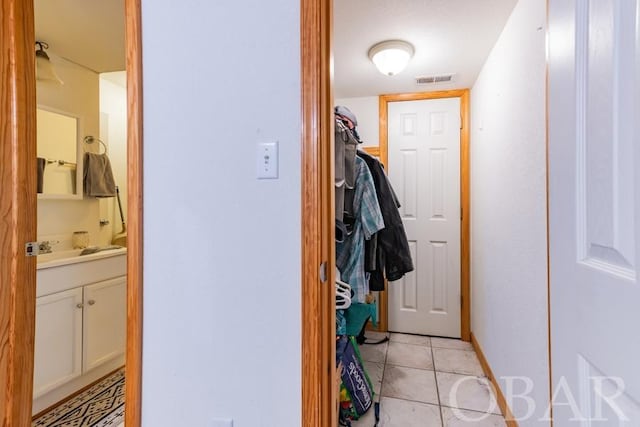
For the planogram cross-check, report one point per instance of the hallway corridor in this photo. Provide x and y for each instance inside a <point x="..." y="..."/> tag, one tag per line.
<point x="414" y="376"/>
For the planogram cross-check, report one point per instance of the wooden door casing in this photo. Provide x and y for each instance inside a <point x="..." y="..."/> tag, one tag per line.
<point x="18" y="211"/>
<point x="465" y="200"/>
<point x="424" y="167"/>
<point x="319" y="383"/>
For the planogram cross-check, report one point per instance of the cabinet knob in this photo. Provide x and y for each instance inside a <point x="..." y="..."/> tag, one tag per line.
<point x="91" y="302"/>
<point x="79" y="305"/>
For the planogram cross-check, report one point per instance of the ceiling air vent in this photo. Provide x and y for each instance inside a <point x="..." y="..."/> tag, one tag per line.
<point x="445" y="78"/>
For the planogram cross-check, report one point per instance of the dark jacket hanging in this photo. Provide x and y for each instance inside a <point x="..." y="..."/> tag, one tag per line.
<point x="392" y="254"/>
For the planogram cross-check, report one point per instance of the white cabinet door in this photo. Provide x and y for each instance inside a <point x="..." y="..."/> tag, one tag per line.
<point x="105" y="318"/>
<point x="424" y="168"/>
<point x="58" y="340"/>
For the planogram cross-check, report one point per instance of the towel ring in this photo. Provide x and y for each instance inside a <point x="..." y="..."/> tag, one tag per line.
<point x="91" y="139"/>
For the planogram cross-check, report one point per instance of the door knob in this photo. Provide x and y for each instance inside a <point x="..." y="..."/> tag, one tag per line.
<point x="91" y="302"/>
<point x="79" y="305"/>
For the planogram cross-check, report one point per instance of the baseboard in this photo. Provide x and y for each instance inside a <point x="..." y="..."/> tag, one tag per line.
<point x="502" y="402"/>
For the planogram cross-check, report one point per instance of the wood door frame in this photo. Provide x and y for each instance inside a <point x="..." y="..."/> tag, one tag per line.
<point x="18" y="208"/>
<point x="465" y="283"/>
<point x="319" y="377"/>
<point x="17" y="211"/>
<point x="133" y="372"/>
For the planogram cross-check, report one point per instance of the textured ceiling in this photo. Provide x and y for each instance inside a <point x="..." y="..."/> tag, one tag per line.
<point x="449" y="36"/>
<point x="87" y="32"/>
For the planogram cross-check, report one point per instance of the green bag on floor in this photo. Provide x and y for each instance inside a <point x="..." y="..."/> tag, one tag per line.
<point x="356" y="390"/>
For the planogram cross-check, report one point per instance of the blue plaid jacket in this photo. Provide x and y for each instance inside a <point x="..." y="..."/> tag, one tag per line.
<point x="368" y="220"/>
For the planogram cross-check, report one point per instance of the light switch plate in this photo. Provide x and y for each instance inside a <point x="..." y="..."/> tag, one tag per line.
<point x="222" y="422"/>
<point x="267" y="160"/>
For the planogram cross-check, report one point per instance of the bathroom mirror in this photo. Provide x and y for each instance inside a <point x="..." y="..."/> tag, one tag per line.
<point x="59" y="153"/>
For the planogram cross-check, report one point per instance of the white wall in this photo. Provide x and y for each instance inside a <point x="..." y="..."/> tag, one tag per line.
<point x="78" y="96"/>
<point x="86" y="95"/>
<point x="366" y="109"/>
<point x="113" y="131"/>
<point x="508" y="207"/>
<point x="222" y="253"/>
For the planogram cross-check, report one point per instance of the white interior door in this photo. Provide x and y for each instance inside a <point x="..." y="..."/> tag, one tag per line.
<point x="424" y="169"/>
<point x="594" y="153"/>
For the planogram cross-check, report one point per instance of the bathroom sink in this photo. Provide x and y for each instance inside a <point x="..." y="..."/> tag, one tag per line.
<point x="53" y="256"/>
<point x="93" y="249"/>
<point x="71" y="256"/>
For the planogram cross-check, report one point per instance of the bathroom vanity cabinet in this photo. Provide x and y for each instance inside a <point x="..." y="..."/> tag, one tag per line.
<point x="80" y="323"/>
<point x="104" y="322"/>
<point x="58" y="348"/>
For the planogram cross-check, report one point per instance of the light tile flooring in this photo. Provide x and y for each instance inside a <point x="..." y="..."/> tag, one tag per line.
<point x="428" y="382"/>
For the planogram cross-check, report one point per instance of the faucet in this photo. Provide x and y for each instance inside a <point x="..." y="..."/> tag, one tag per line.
<point x="44" y="247"/>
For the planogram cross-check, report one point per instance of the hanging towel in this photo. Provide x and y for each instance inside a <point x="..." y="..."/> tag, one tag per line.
<point x="98" y="177"/>
<point x="41" y="164"/>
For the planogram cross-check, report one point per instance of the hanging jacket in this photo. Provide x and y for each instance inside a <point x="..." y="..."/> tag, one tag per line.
<point x="345" y="169"/>
<point x="350" y="254"/>
<point x="392" y="254"/>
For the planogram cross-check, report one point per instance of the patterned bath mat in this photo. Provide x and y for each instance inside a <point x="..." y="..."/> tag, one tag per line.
<point x="101" y="405"/>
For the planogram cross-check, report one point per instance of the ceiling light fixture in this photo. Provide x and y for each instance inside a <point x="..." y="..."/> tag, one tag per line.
<point x="391" y="56"/>
<point x="44" y="67"/>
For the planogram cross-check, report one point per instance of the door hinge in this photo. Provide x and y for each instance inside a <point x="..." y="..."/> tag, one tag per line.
<point x="31" y="249"/>
<point x="461" y="122"/>
<point x="461" y="301"/>
<point x="323" y="272"/>
<point x="461" y="214"/>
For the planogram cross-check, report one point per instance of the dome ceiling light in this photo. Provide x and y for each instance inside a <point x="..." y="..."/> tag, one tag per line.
<point x="391" y="56"/>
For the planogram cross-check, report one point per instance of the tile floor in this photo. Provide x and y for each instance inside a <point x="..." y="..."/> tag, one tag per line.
<point x="428" y="382"/>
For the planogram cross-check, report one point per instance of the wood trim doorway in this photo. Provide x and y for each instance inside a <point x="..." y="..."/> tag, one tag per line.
<point x="465" y="285"/>
<point x="319" y="377"/>
<point x="18" y="211"/>
<point x="318" y="345"/>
